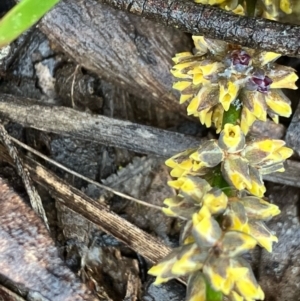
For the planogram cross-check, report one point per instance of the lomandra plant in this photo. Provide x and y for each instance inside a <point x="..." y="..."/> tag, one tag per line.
<point x="220" y="190"/>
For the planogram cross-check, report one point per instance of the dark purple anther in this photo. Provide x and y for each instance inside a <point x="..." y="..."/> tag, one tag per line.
<point x="262" y="83"/>
<point x="240" y="57"/>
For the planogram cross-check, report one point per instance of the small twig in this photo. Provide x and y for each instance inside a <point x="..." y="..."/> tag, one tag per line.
<point x="123" y="195"/>
<point x="97" y="213"/>
<point x="215" y="23"/>
<point x="73" y="85"/>
<point x="34" y="197"/>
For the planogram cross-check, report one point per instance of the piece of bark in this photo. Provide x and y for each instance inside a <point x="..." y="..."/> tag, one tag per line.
<point x="279" y="271"/>
<point x="293" y="132"/>
<point x="8" y="295"/>
<point x="289" y="177"/>
<point x="28" y="256"/>
<point x="109" y="131"/>
<point x="135" y="238"/>
<point x="215" y="23"/>
<point x="96" y="128"/>
<point x="126" y="50"/>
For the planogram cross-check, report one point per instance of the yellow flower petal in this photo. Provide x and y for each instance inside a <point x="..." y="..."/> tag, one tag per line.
<point x="206" y="230"/>
<point x="283" y="77"/>
<point x="215" y="200"/>
<point x="235" y="170"/>
<point x="196" y="288"/>
<point x="266" y="57"/>
<point x="286" y="6"/>
<point x="278" y="103"/>
<point x="181" y="85"/>
<point x="262" y="234"/>
<point x="247" y="120"/>
<point x="228" y="93"/>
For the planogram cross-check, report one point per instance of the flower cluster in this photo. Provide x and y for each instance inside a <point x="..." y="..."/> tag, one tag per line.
<point x="242" y="163"/>
<point x="269" y="9"/>
<point x="219" y="185"/>
<point x="211" y="250"/>
<point x="219" y="74"/>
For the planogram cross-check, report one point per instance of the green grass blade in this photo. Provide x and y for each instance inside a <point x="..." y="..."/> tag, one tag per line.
<point x="22" y="16"/>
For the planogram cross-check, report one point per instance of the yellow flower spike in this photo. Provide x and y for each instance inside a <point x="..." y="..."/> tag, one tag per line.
<point x="266" y="57"/>
<point x="206" y="230"/>
<point x="283" y="77"/>
<point x="209" y="153"/>
<point x="278" y="103"/>
<point x="228" y="93"/>
<point x="286" y="6"/>
<point x="236" y="171"/>
<point x="262" y="234"/>
<point x="215" y="200"/>
<point x="196" y="287"/>
<point x="232" y="138"/>
<point x="257" y="208"/>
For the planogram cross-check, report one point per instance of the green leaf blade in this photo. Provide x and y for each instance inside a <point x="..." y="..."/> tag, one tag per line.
<point x="21" y="17"/>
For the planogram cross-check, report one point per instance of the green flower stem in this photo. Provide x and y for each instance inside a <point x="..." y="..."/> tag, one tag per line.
<point x="251" y="4"/>
<point x="233" y="115"/>
<point x="211" y="294"/>
<point x="219" y="182"/>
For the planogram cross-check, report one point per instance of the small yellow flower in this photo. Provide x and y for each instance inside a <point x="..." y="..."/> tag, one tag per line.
<point x="206" y="230"/>
<point x="257" y="208"/>
<point x="180" y="262"/>
<point x="231" y="139"/>
<point x="262" y="234"/>
<point x="247" y="286"/>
